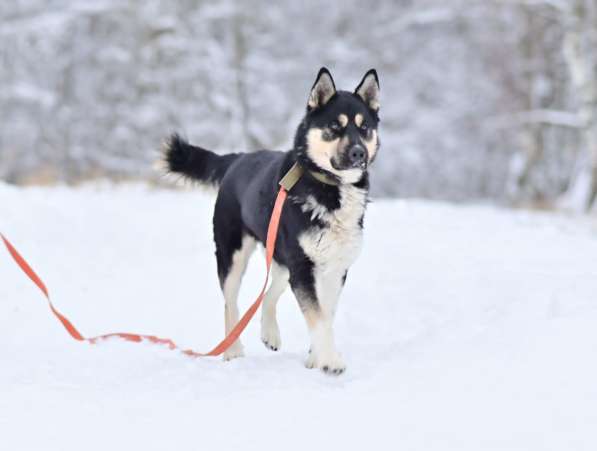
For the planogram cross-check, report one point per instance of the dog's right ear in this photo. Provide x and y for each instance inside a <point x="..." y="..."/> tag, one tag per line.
<point x="322" y="91"/>
<point x="368" y="90"/>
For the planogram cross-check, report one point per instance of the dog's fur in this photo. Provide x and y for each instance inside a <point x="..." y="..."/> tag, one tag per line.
<point x="321" y="225"/>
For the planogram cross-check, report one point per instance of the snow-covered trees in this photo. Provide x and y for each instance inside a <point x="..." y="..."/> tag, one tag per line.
<point x="481" y="99"/>
<point x="580" y="50"/>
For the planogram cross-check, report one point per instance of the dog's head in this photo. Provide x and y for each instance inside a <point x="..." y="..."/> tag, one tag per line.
<point x="338" y="134"/>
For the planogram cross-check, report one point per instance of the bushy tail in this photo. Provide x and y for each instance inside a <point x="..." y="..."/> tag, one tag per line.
<point x="194" y="162"/>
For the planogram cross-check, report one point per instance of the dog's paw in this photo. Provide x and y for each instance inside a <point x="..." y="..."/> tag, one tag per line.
<point x="333" y="364"/>
<point x="233" y="352"/>
<point x="270" y="335"/>
<point x="311" y="361"/>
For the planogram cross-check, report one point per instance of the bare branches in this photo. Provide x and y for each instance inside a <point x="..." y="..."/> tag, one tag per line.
<point x="541" y="116"/>
<point x="562" y="6"/>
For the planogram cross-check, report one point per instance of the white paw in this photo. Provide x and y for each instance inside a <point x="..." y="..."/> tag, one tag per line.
<point x="234" y="351"/>
<point x="311" y="361"/>
<point x="332" y="364"/>
<point x="270" y="335"/>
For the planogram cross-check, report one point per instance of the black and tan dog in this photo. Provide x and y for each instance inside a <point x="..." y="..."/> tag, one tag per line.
<point x="321" y="226"/>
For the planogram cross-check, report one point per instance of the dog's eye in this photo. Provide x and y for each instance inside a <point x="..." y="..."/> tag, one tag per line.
<point x="335" y="126"/>
<point x="364" y="126"/>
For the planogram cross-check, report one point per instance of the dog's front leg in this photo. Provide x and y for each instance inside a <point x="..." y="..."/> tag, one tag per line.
<point x="323" y="353"/>
<point x="319" y="307"/>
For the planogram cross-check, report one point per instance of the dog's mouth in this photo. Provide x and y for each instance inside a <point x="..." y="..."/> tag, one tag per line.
<point x="340" y="166"/>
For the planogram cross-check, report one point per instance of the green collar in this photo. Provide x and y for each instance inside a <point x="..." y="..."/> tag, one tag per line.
<point x="324" y="178"/>
<point x="296" y="172"/>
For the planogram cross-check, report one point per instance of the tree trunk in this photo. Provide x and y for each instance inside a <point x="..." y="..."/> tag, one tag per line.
<point x="521" y="184"/>
<point x="581" y="56"/>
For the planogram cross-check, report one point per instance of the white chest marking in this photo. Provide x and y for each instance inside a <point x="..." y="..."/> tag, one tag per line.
<point x="336" y="245"/>
<point x="317" y="210"/>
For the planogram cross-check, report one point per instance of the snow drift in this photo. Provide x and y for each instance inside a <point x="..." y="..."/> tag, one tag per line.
<point x="463" y="328"/>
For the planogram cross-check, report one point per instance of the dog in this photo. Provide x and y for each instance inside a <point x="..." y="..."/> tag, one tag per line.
<point x="321" y="227"/>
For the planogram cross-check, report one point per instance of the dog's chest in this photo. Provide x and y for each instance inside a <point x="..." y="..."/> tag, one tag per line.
<point x="336" y="243"/>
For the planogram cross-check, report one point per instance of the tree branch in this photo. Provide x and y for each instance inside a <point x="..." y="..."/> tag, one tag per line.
<point x="549" y="117"/>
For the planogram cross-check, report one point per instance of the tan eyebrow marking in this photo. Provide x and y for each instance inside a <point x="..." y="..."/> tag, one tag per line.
<point x="343" y="119"/>
<point x="358" y="119"/>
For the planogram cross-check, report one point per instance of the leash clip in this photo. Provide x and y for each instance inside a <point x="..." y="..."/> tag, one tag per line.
<point x="291" y="177"/>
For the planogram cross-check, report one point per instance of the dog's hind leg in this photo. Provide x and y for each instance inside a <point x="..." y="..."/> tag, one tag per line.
<point x="233" y="255"/>
<point x="270" y="332"/>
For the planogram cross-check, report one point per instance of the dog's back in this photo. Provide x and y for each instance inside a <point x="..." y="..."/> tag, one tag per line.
<point x="246" y="182"/>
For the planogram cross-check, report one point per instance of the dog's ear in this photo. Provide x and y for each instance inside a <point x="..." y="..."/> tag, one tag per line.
<point x="322" y="91"/>
<point x="368" y="89"/>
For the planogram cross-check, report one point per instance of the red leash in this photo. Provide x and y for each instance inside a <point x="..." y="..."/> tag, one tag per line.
<point x="272" y="232"/>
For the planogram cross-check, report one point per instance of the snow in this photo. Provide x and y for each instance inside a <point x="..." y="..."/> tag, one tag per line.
<point x="463" y="327"/>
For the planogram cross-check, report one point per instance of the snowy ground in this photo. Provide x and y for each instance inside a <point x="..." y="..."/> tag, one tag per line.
<point x="464" y="328"/>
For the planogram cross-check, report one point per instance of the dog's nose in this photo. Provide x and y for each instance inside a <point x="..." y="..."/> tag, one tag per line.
<point x="357" y="155"/>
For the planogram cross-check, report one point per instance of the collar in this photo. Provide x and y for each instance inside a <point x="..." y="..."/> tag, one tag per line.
<point x="324" y="178"/>
<point x="296" y="172"/>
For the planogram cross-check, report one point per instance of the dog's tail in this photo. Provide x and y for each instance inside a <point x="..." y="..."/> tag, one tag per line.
<point x="195" y="163"/>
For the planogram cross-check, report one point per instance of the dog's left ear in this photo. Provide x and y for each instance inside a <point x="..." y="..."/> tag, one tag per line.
<point x="322" y="91"/>
<point x="368" y="90"/>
